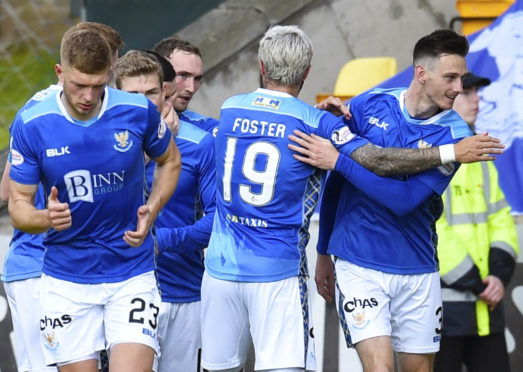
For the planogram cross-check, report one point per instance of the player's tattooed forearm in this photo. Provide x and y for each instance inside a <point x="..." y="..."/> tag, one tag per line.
<point x="391" y="161"/>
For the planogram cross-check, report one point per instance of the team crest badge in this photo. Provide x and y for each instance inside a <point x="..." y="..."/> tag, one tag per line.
<point x="423" y="145"/>
<point x="122" y="141"/>
<point x="360" y="321"/>
<point x="50" y="340"/>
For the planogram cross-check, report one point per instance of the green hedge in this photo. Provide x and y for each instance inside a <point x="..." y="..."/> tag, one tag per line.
<point x="23" y="72"/>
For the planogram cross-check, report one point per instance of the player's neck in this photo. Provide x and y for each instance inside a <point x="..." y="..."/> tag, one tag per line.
<point x="292" y="90"/>
<point x="79" y="115"/>
<point x="416" y="104"/>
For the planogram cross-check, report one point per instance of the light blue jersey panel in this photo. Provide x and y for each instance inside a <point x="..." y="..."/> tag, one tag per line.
<point x="265" y="197"/>
<point x="367" y="233"/>
<point x="26" y="251"/>
<point x="205" y="122"/>
<point x="181" y="231"/>
<point x="98" y="168"/>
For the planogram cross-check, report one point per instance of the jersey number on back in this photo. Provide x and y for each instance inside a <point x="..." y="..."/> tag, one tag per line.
<point x="265" y="178"/>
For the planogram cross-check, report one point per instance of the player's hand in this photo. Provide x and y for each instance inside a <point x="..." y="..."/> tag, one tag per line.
<point x="136" y="238"/>
<point x="317" y="151"/>
<point x="494" y="292"/>
<point x="324" y="277"/>
<point x="59" y="213"/>
<point x="170" y="117"/>
<point x="335" y="106"/>
<point x="480" y="147"/>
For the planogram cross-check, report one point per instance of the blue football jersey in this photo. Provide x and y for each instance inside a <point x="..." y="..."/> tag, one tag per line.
<point x="364" y="231"/>
<point x="98" y="168"/>
<point x="265" y="197"/>
<point x="205" y="122"/>
<point x="26" y="251"/>
<point x="181" y="232"/>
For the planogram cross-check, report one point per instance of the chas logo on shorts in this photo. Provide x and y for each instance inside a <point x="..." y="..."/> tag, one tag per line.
<point x="53" y="323"/>
<point x="342" y="136"/>
<point x="356" y="303"/>
<point x="16" y="158"/>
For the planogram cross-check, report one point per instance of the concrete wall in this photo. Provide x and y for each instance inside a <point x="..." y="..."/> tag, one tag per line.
<point x="339" y="29"/>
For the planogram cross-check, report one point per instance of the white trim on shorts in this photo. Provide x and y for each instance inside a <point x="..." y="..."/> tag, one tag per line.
<point x="407" y="308"/>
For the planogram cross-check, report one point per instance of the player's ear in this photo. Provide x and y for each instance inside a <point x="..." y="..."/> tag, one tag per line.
<point x="420" y="74"/>
<point x="59" y="71"/>
<point x="263" y="72"/>
<point x="307" y="72"/>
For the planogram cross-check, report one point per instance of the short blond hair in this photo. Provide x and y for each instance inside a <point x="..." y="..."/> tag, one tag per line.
<point x="111" y="35"/>
<point x="86" y="50"/>
<point x="134" y="63"/>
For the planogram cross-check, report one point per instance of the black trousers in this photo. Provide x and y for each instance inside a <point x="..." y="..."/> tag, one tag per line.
<point x="478" y="354"/>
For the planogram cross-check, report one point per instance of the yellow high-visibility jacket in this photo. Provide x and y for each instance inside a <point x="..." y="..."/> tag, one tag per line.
<point x="476" y="237"/>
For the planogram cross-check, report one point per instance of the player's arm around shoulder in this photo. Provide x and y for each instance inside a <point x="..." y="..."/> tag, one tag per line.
<point x="26" y="217"/>
<point x="391" y="161"/>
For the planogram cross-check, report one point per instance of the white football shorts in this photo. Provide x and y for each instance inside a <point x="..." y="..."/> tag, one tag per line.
<point x="24" y="301"/>
<point x="407" y="308"/>
<point x="276" y="313"/>
<point x="179" y="335"/>
<point x="78" y="320"/>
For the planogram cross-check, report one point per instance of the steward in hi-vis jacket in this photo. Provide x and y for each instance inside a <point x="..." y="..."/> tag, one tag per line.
<point x="476" y="238"/>
<point x="477" y="250"/>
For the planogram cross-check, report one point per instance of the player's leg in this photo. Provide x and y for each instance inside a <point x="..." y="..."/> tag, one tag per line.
<point x="71" y="324"/>
<point x="281" y="324"/>
<point x="450" y="355"/>
<point x="179" y="335"/>
<point x="131" y="357"/>
<point x="363" y="305"/>
<point x="225" y="325"/>
<point x="131" y="323"/>
<point x="415" y="362"/>
<point x="416" y="320"/>
<point x="24" y="301"/>
<point x="376" y="354"/>
<point x="87" y="365"/>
